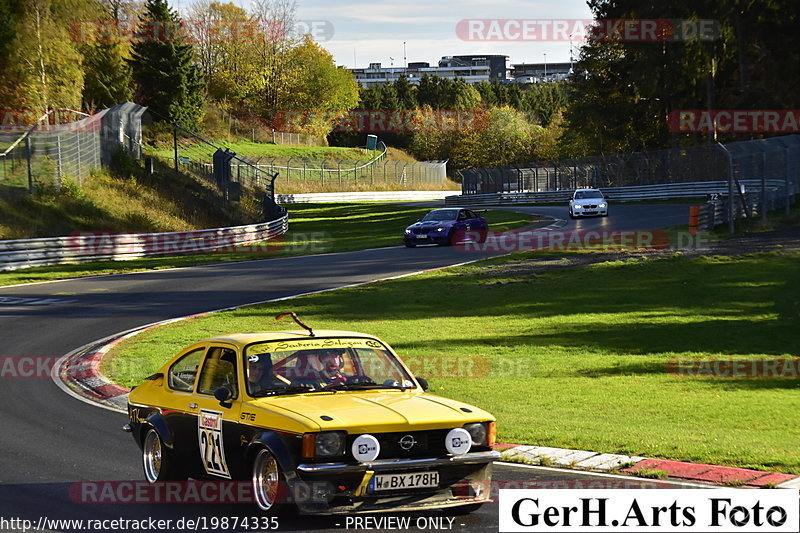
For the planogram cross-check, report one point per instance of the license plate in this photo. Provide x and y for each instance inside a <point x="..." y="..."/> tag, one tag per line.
<point x="414" y="480"/>
<point x="422" y="236"/>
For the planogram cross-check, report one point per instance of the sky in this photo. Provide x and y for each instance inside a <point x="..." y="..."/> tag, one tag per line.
<point x="373" y="31"/>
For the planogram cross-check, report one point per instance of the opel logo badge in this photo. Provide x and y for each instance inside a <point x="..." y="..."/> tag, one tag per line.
<point x="407" y="442"/>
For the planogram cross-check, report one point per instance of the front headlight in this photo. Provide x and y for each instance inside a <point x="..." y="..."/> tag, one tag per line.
<point x="577" y="206"/>
<point x="325" y="444"/>
<point x="439" y="229"/>
<point x="479" y="433"/>
<point x="408" y="231"/>
<point x="602" y="205"/>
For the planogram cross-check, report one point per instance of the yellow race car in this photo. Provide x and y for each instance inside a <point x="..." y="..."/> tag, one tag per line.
<point x="330" y="421"/>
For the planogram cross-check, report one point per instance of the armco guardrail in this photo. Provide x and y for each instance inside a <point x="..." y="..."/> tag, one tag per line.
<point x="87" y="247"/>
<point x="371" y="196"/>
<point x="748" y="205"/>
<point x="665" y="191"/>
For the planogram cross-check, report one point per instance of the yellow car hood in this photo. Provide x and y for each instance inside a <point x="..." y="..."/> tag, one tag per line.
<point x="377" y="411"/>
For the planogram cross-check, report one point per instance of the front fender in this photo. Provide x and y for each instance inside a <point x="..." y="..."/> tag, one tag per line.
<point x="277" y="446"/>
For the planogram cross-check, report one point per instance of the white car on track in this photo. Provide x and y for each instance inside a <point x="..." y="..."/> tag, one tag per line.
<point x="588" y="202"/>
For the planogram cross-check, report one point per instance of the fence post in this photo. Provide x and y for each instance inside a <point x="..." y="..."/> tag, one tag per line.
<point x="730" y="186"/>
<point x="58" y="162"/>
<point x="175" y="146"/>
<point x="96" y="145"/>
<point x="786" y="186"/>
<point x="763" y="187"/>
<point x="80" y="170"/>
<point x="30" y="170"/>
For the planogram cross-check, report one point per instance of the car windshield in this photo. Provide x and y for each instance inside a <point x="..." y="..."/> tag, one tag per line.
<point x="440" y="214"/>
<point x="582" y="195"/>
<point x="314" y="365"/>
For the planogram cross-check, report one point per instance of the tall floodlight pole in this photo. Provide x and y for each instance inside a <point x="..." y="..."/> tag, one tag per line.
<point x="545" y="67"/>
<point x="570" y="53"/>
<point x="730" y="185"/>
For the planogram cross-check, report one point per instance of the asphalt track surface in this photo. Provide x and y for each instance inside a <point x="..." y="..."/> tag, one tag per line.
<point x="49" y="440"/>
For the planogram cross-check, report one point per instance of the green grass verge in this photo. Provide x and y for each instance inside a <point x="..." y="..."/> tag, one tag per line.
<point x="268" y="150"/>
<point x="313" y="229"/>
<point x="577" y="357"/>
<point x="118" y="203"/>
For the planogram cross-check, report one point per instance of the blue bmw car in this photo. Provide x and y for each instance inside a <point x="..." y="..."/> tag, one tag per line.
<point x="447" y="226"/>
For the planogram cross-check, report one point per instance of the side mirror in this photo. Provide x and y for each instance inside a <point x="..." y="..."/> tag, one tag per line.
<point x="423" y="383"/>
<point x="223" y="395"/>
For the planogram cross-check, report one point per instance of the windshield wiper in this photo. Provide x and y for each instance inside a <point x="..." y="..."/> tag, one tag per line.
<point x="285" y="390"/>
<point x="365" y="385"/>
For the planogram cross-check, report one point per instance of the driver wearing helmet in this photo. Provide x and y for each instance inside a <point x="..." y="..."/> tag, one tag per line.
<point x="332" y="361"/>
<point x="260" y="376"/>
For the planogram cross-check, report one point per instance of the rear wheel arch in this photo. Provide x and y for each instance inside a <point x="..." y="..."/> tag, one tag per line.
<point x="156" y="421"/>
<point x="158" y="461"/>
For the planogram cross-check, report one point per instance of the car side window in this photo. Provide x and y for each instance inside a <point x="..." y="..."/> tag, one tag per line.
<point x="470" y="214"/>
<point x="462" y="215"/>
<point x="219" y="370"/>
<point x="183" y="373"/>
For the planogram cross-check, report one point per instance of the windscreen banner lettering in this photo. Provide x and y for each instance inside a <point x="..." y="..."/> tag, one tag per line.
<point x="318" y="344"/>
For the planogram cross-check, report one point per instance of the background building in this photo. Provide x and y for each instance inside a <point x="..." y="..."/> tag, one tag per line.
<point x="540" y="72"/>
<point x="471" y="69"/>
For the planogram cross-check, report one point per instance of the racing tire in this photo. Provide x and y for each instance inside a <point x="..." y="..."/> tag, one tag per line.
<point x="482" y="236"/>
<point x="157" y="462"/>
<point x="269" y="488"/>
<point x="455" y="237"/>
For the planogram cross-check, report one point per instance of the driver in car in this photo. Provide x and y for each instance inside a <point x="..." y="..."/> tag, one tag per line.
<point x="332" y="363"/>
<point x="260" y="376"/>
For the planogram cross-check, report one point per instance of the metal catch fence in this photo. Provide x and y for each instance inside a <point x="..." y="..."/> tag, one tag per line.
<point x="53" y="150"/>
<point x="777" y="156"/>
<point x="197" y="155"/>
<point x="773" y="164"/>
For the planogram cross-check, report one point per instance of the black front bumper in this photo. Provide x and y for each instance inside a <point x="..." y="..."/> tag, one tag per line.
<point x="343" y="488"/>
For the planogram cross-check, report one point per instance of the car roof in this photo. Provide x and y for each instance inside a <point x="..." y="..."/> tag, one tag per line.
<point x="588" y="190"/>
<point x="243" y="339"/>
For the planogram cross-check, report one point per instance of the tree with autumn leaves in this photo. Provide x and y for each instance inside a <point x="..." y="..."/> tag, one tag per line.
<point x="77" y="54"/>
